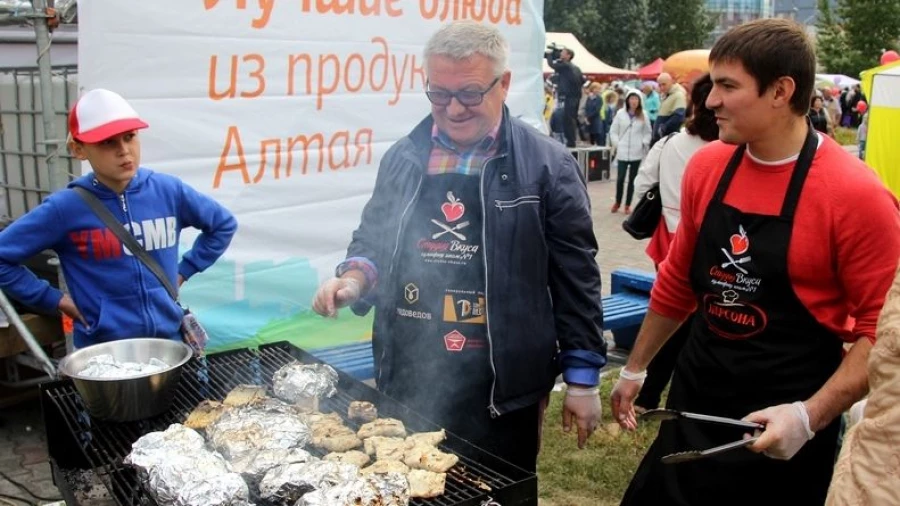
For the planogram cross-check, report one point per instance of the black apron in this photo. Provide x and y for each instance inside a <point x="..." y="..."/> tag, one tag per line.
<point x="753" y="345"/>
<point x="440" y="347"/>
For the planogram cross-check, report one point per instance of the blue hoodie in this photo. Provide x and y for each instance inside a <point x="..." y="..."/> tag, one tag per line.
<point x="117" y="295"/>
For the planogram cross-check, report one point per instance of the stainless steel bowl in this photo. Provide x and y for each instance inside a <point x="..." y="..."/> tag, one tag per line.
<point x="132" y="398"/>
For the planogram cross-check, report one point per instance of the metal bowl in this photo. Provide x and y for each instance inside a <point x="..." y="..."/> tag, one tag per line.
<point x="135" y="397"/>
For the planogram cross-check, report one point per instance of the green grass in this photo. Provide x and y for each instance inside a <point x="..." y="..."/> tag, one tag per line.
<point x="845" y="136"/>
<point x="597" y="475"/>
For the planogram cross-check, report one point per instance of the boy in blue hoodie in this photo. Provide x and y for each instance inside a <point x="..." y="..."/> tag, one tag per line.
<point x="113" y="294"/>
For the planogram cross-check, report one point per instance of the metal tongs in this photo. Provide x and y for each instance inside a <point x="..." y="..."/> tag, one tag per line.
<point x="687" y="456"/>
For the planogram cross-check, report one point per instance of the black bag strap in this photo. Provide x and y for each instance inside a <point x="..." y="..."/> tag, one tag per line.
<point x="127" y="239"/>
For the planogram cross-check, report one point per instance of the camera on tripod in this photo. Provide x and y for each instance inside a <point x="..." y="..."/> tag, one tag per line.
<point x="554" y="50"/>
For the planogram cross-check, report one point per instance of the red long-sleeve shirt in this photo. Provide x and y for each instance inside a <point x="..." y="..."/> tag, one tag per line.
<point x="845" y="244"/>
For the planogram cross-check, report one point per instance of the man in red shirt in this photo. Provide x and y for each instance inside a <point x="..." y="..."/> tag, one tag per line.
<point x="786" y="249"/>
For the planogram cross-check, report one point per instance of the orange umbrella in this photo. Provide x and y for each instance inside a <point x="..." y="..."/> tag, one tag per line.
<point x="686" y="66"/>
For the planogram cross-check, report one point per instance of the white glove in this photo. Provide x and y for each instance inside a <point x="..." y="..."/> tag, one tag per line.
<point x="623" y="396"/>
<point x="335" y="294"/>
<point x="582" y="405"/>
<point x="787" y="430"/>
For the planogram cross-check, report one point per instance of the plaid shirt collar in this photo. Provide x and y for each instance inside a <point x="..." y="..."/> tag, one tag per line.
<point x="486" y="146"/>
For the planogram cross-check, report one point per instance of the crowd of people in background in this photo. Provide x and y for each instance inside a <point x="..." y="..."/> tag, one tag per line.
<point x="666" y="104"/>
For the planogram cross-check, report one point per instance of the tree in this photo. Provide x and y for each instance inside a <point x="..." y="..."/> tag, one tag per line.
<point x="619" y="31"/>
<point x="673" y="27"/>
<point x="852" y="40"/>
<point x="610" y="30"/>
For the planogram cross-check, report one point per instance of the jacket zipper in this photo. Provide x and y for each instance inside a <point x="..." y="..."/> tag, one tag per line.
<point x="487" y="319"/>
<point x="134" y="258"/>
<point x="397" y="248"/>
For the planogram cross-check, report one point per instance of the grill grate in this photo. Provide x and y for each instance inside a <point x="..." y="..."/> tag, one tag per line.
<point x="104" y="445"/>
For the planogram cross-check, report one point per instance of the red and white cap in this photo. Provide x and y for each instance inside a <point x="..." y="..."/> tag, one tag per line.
<point x="100" y="114"/>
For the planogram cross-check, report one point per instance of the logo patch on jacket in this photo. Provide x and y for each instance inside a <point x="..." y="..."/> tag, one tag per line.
<point x="102" y="244"/>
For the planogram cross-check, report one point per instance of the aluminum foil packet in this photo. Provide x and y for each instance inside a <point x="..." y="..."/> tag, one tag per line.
<point x="298" y="383"/>
<point x="390" y="489"/>
<point x="254" y="466"/>
<point x="107" y="367"/>
<point x="241" y="433"/>
<point x="288" y="483"/>
<point x="177" y="470"/>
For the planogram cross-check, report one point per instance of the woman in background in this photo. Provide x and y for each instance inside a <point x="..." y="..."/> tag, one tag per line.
<point x="630" y="138"/>
<point x="665" y="164"/>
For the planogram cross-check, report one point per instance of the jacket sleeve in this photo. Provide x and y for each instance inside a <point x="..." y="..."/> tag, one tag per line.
<point x="647" y="132"/>
<point x="40" y="229"/>
<point x="671" y="123"/>
<point x="554" y="64"/>
<point x="368" y="239"/>
<point x="615" y="130"/>
<point x="217" y="227"/>
<point x="574" y="277"/>
<point x="648" y="173"/>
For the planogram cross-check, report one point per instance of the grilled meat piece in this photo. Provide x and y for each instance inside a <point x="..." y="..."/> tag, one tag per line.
<point x="386" y="448"/>
<point x="429" y="458"/>
<point x="314" y="418"/>
<point x="425" y="484"/>
<point x="385" y="466"/>
<point x="427" y="438"/>
<point x="338" y="444"/>
<point x="204" y="415"/>
<point x="354" y="457"/>
<point x="334" y="436"/>
<point x="387" y="427"/>
<point x="242" y="395"/>
<point x="362" y="411"/>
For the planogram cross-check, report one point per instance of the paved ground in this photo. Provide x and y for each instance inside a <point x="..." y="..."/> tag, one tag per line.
<point x="23" y="453"/>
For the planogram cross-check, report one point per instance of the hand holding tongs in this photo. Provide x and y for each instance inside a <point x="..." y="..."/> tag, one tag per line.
<point x="671" y="414"/>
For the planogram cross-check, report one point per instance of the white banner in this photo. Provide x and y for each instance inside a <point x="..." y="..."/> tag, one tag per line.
<point x="281" y="111"/>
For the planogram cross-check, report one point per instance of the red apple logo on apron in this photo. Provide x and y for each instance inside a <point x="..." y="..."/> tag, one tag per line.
<point x="740" y="243"/>
<point x="454" y="209"/>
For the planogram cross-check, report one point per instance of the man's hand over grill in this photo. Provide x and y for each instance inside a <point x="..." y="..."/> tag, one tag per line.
<point x="335" y="294"/>
<point x="582" y="406"/>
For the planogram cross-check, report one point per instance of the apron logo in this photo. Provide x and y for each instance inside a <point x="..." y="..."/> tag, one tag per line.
<point x="411" y="293"/>
<point x="454" y="341"/>
<point x="464" y="309"/>
<point x="732" y="319"/>
<point x="453" y="210"/>
<point x="740" y="243"/>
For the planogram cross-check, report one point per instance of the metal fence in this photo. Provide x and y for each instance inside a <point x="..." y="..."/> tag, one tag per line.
<point x="24" y="175"/>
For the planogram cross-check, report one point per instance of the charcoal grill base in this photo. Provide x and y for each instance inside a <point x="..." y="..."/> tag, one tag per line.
<point x="77" y="441"/>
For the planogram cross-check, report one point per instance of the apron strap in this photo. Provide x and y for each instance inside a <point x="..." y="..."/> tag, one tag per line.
<point x="730" y="171"/>
<point x="801" y="170"/>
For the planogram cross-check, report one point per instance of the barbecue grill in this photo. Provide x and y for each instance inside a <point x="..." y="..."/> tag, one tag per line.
<point x="80" y="445"/>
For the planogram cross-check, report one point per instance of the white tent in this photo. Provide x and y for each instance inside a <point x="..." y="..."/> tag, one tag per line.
<point x="589" y="64"/>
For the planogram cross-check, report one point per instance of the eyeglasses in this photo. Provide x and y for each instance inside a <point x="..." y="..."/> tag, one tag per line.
<point x="467" y="98"/>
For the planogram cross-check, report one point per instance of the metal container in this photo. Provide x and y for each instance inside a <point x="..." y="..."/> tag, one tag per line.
<point x="133" y="398"/>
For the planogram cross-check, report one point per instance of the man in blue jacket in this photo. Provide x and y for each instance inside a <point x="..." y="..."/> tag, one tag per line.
<point x="113" y="295"/>
<point x="477" y="252"/>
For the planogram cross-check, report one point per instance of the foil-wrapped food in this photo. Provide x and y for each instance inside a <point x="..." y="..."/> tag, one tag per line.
<point x="107" y="367"/>
<point x="254" y="466"/>
<point x="302" y="383"/>
<point x="285" y="485"/>
<point x="240" y="433"/>
<point x="375" y="490"/>
<point x="177" y="470"/>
